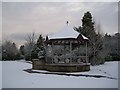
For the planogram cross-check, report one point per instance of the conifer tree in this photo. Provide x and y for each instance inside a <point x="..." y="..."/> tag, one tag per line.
<point x="40" y="47"/>
<point x="22" y="50"/>
<point x="95" y="39"/>
<point x="40" y="43"/>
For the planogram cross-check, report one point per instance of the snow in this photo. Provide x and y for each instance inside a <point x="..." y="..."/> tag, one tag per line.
<point x="66" y="32"/>
<point x="109" y="69"/>
<point x="15" y="77"/>
<point x="84" y="36"/>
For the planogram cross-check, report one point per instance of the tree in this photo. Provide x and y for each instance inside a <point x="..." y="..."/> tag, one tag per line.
<point x="87" y="27"/>
<point x="32" y="48"/>
<point x="40" y="47"/>
<point x="40" y="42"/>
<point x="22" y="50"/>
<point x="111" y="46"/>
<point x="10" y="51"/>
<point x="0" y="53"/>
<point x="29" y="46"/>
<point x="95" y="39"/>
<point x="107" y="46"/>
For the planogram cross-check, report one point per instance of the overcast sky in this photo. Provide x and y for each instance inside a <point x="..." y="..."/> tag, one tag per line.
<point x="22" y="18"/>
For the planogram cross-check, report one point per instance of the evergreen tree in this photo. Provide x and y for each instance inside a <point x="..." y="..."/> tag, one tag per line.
<point x="95" y="39"/>
<point x="40" y="41"/>
<point x="87" y="28"/>
<point x="40" y="47"/>
<point x="22" y="50"/>
<point x="10" y="51"/>
<point x="34" y="52"/>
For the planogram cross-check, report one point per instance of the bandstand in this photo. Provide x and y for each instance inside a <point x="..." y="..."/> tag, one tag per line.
<point x="62" y="51"/>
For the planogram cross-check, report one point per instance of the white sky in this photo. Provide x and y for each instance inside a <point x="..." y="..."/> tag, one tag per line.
<point x="22" y="18"/>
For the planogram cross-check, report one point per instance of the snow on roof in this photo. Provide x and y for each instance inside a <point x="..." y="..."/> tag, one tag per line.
<point x="66" y="32"/>
<point x="84" y="36"/>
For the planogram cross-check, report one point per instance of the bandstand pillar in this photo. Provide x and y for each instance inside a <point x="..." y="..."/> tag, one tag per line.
<point x="71" y="52"/>
<point x="86" y="54"/>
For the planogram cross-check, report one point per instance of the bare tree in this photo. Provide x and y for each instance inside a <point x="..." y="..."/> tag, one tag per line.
<point x="29" y="45"/>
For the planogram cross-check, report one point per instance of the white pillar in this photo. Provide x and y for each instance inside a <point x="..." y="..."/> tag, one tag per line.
<point x="52" y="53"/>
<point x="86" y="54"/>
<point x="71" y="52"/>
<point x="46" y="48"/>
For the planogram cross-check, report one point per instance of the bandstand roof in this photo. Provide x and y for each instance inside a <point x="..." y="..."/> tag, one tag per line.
<point x="66" y="32"/>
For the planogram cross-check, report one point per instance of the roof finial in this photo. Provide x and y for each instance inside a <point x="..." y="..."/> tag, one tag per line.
<point x="67" y="22"/>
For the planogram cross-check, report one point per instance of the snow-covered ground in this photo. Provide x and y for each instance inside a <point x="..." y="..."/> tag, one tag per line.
<point x="15" y="77"/>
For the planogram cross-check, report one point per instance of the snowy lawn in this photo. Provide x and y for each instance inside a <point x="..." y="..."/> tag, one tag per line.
<point x="14" y="77"/>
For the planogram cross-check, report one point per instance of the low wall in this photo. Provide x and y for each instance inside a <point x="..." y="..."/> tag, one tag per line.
<point x="40" y="65"/>
<point x="69" y="68"/>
